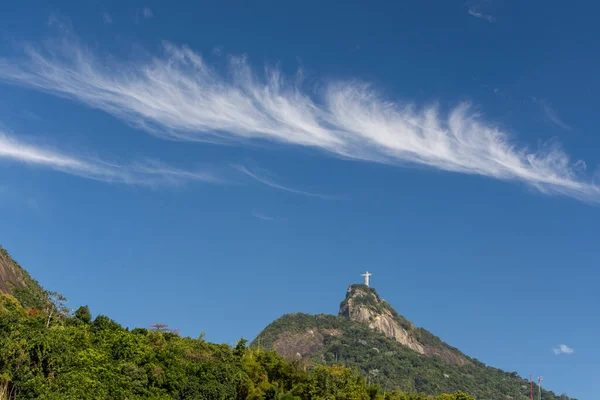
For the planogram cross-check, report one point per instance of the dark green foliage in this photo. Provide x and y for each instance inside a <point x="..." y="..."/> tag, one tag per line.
<point x="103" y="323"/>
<point x="390" y="365"/>
<point x="83" y="314"/>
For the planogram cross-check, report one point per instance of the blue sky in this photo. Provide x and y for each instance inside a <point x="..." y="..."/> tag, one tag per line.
<point x="213" y="166"/>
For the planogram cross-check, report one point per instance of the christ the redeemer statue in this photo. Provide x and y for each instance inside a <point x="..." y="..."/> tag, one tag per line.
<point x="366" y="275"/>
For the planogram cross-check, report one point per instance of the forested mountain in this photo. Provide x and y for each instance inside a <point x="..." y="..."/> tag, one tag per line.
<point x="49" y="352"/>
<point x="370" y="336"/>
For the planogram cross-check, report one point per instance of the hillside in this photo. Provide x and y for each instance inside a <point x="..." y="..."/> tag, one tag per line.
<point x="369" y="335"/>
<point x="51" y="353"/>
<point x="14" y="280"/>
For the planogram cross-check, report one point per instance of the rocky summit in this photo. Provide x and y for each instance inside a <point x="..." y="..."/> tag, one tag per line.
<point x="362" y="304"/>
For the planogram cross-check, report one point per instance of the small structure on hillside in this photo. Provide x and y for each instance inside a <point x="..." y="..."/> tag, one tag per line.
<point x="366" y="275"/>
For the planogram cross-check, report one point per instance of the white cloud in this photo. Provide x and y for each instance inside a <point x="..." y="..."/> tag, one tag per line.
<point x="148" y="173"/>
<point x="481" y="9"/>
<point x="478" y="14"/>
<point x="552" y="116"/>
<point x="563" y="349"/>
<point x="269" y="182"/>
<point x="177" y="95"/>
<point x="107" y="18"/>
<point x="262" y="216"/>
<point x="147" y="13"/>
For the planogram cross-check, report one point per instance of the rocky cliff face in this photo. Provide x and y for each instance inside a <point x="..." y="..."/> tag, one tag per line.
<point x="362" y="304"/>
<point x="15" y="281"/>
<point x="11" y="276"/>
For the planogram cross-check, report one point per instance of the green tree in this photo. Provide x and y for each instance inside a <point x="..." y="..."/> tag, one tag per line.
<point x="83" y="314"/>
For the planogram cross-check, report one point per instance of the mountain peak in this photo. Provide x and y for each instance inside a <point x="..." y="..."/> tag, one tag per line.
<point x="363" y="304"/>
<point x="361" y="295"/>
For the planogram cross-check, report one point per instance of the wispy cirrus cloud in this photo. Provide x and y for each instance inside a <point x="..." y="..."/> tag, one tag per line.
<point x="480" y="15"/>
<point x="149" y="173"/>
<point x="262" y="216"/>
<point x="271" y="183"/>
<point x="563" y="349"/>
<point x="177" y="95"/>
<point x="478" y="9"/>
<point x="552" y="116"/>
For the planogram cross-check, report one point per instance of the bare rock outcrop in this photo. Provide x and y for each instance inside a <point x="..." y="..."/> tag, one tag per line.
<point x="362" y="304"/>
<point x="11" y="275"/>
<point x="15" y="281"/>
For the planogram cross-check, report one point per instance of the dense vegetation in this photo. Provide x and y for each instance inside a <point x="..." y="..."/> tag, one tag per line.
<point x="387" y="363"/>
<point x="70" y="356"/>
